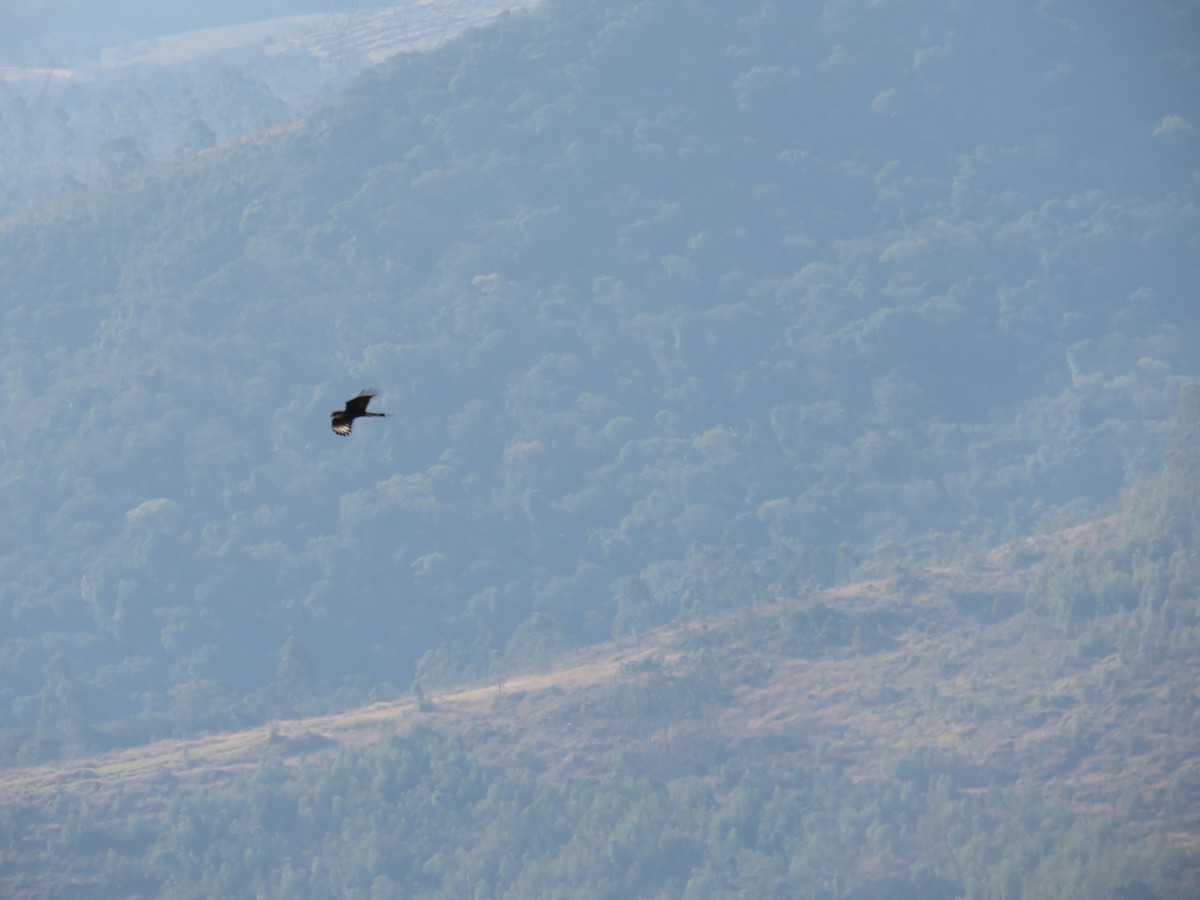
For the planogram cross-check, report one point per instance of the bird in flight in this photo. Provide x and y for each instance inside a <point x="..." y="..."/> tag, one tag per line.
<point x="340" y="420"/>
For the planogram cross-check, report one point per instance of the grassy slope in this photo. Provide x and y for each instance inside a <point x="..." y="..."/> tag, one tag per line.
<point x="941" y="678"/>
<point x="374" y="36"/>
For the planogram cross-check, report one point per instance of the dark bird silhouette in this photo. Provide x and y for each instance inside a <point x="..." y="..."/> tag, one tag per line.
<point x="342" y="419"/>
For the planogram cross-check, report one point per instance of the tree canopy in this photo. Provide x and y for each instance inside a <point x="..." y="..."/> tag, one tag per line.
<point x="676" y="305"/>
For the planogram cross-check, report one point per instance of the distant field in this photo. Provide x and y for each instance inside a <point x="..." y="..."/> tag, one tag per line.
<point x="370" y="37"/>
<point x="170" y="49"/>
<point x="18" y="74"/>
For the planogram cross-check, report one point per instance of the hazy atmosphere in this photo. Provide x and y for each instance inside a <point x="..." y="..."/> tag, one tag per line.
<point x="790" y="483"/>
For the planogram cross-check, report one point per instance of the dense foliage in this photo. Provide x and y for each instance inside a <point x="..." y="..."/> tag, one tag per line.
<point x="1152" y="572"/>
<point x="670" y="304"/>
<point x="689" y="809"/>
<point x="678" y="308"/>
<point x="417" y="816"/>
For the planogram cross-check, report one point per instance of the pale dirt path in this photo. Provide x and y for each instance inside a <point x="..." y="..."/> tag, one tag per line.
<point x="194" y="762"/>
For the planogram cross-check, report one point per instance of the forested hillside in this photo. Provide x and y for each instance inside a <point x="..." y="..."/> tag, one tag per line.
<point x="90" y="91"/>
<point x="1020" y="723"/>
<point x="677" y="308"/>
<point x="673" y="307"/>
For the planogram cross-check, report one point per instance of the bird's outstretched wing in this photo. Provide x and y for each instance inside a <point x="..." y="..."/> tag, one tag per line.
<point x="358" y="406"/>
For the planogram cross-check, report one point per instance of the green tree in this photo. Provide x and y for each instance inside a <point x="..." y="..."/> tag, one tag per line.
<point x="62" y="716"/>
<point x="295" y="676"/>
<point x="120" y="155"/>
<point x="197" y="136"/>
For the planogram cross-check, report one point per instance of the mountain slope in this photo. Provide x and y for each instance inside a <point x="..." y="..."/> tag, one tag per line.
<point x="654" y="343"/>
<point x="938" y="678"/>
